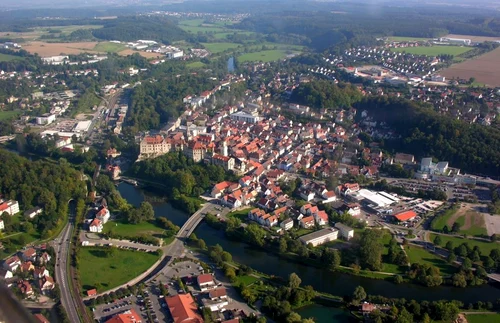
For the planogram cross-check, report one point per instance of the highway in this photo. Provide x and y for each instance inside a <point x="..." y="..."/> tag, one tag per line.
<point x="62" y="248"/>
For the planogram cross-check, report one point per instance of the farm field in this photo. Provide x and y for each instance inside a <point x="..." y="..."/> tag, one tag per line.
<point x="265" y="55"/>
<point x="485" y="69"/>
<point x="35" y="33"/>
<point x="101" y="269"/>
<point x="420" y="256"/>
<point x="220" y="47"/>
<point x="434" y="50"/>
<point x="51" y="49"/>
<point x="484" y="247"/>
<point x="9" y="58"/>
<point x="6" y="115"/>
<point x="108" y="47"/>
<point x="129" y="51"/>
<point x="195" y="65"/>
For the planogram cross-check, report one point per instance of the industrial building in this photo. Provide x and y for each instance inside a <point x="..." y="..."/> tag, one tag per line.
<point x="83" y="126"/>
<point x="45" y="119"/>
<point x="378" y="199"/>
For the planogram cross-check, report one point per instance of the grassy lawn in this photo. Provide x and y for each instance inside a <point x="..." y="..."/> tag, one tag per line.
<point x="484" y="247"/>
<point x="388" y="267"/>
<point x="108" y="47"/>
<point x="135" y="230"/>
<point x="223" y="35"/>
<point x="220" y="47"/>
<point x="240" y="214"/>
<point x="195" y="65"/>
<point x="99" y="269"/>
<point x="265" y="55"/>
<point x="441" y="220"/>
<point x="483" y="318"/>
<point x="421" y="256"/>
<point x="434" y="50"/>
<point x="6" y="115"/>
<point x="302" y="231"/>
<point x="246" y="280"/>
<point x="9" y="58"/>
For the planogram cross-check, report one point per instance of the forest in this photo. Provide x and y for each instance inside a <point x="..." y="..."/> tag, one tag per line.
<point x="423" y="132"/>
<point x="321" y="94"/>
<point x="153" y="104"/>
<point x="183" y="179"/>
<point x="49" y="185"/>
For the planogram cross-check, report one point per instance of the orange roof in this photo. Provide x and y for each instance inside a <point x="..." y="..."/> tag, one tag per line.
<point x="92" y="292"/>
<point x="129" y="316"/>
<point x="406" y="215"/>
<point x="183" y="309"/>
<point x="152" y="140"/>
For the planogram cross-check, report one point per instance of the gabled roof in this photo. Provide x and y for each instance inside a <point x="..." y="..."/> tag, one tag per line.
<point x="129" y="316"/>
<point x="204" y="278"/>
<point x="183" y="309"/>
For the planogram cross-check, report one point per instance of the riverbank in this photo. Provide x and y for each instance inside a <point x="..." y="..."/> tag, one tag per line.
<point x="322" y="280"/>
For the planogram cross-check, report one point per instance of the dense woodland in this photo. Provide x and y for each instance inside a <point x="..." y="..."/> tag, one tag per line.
<point x="183" y="179"/>
<point x="324" y="94"/>
<point x="424" y="133"/>
<point x="41" y="183"/>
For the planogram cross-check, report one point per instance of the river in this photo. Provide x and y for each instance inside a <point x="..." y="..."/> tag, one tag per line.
<point x="322" y="280"/>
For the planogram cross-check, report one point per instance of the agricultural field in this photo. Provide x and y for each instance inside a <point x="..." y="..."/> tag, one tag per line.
<point x="420" y="256"/>
<point x="434" y="50"/>
<point x="36" y="33"/>
<point x="266" y="55"/>
<point x="108" y="47"/>
<point x="397" y="38"/>
<point x="485" y="69"/>
<point x="9" y="58"/>
<point x="129" y="51"/>
<point x="51" y="49"/>
<point x="106" y="268"/>
<point x="220" y="47"/>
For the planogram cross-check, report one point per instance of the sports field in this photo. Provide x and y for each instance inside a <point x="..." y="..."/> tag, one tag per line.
<point x="104" y="270"/>
<point x="108" y="47"/>
<point x="434" y="50"/>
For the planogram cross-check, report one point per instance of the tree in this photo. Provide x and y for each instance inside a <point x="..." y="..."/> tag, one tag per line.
<point x="495" y="254"/>
<point x="451" y="258"/>
<point x="201" y="244"/>
<point x="459" y="280"/>
<point x="371" y="248"/>
<point x="283" y="245"/>
<point x="467" y="264"/>
<point x="358" y="295"/>
<point x="293" y="317"/>
<point x="294" y="281"/>
<point x="404" y="316"/>
<point x="398" y="279"/>
<point x="146" y="211"/>
<point x="437" y="240"/>
<point x="456" y="227"/>
<point x="449" y="246"/>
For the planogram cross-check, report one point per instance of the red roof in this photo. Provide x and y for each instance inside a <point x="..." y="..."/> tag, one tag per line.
<point x="129" y="316"/>
<point x="205" y="278"/>
<point x="40" y="318"/>
<point x="183" y="309"/>
<point x="406" y="215"/>
<point x="92" y="292"/>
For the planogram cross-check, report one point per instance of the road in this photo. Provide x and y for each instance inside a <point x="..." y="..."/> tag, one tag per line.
<point x="62" y="267"/>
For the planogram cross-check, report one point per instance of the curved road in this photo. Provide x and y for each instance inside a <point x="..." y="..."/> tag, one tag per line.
<point x="62" y="248"/>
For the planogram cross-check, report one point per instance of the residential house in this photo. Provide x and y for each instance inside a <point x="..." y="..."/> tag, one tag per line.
<point x="103" y="215"/>
<point x="321" y="217"/>
<point x="41" y="272"/>
<point x="96" y="226"/>
<point x="286" y="224"/>
<point x="25" y="288"/>
<point x="348" y="188"/>
<point x="46" y="284"/>
<point x="219" y="189"/>
<point x="12" y="263"/>
<point x="405" y="159"/>
<point x="205" y="282"/>
<point x="10" y="206"/>
<point x="183" y="309"/>
<point x="367" y="308"/>
<point x="5" y="274"/>
<point x="92" y="292"/>
<point x="129" y="316"/>
<point x="31" y="213"/>
<point x="353" y="209"/>
<point x="329" y="197"/>
<point x="271" y="221"/>
<point x="231" y="201"/>
<point x="217" y="299"/>
<point x="345" y="231"/>
<point x="307" y="222"/>
<point x="27" y="266"/>
<point x="44" y="258"/>
<point x="28" y="254"/>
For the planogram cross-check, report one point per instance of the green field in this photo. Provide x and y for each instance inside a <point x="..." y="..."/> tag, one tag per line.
<point x="265" y="55"/>
<point x="7" y="115"/>
<point x="440" y="221"/>
<point x="420" y="256"/>
<point x="220" y="47"/>
<point x="134" y="230"/>
<point x="103" y="271"/>
<point x="388" y="267"/>
<point x="484" y="247"/>
<point x="434" y="50"/>
<point x="398" y="38"/>
<point x="246" y="280"/>
<point x="240" y="214"/>
<point x="9" y="58"/>
<point x="108" y="47"/>
<point x="483" y="318"/>
<point x="195" y="65"/>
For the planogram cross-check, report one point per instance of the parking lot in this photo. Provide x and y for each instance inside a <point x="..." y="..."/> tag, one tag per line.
<point x="459" y="193"/>
<point x="149" y="304"/>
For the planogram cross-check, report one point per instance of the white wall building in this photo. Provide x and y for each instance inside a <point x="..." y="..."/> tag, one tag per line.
<point x="45" y="119"/>
<point x="320" y="237"/>
<point x="345" y="231"/>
